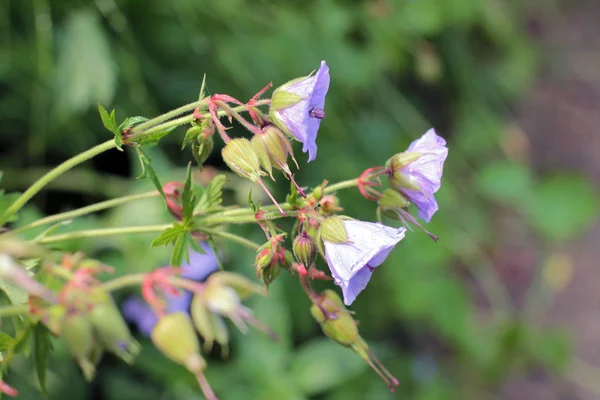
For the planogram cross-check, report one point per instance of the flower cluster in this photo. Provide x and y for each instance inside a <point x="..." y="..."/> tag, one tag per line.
<point x="185" y="306"/>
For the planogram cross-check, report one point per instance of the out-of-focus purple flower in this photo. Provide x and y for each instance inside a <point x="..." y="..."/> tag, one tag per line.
<point x="297" y="107"/>
<point x="351" y="263"/>
<point x="417" y="173"/>
<point x="138" y="312"/>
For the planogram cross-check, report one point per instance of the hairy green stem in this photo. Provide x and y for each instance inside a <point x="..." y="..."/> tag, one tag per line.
<point x="103" y="232"/>
<point x="341" y="185"/>
<point x="14" y="309"/>
<point x="52" y="174"/>
<point x="167" y="116"/>
<point x="138" y="133"/>
<point x="230" y="236"/>
<point x="87" y="210"/>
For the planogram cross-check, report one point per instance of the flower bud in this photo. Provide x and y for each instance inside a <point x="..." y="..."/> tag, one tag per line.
<point x="329" y="204"/>
<point x="333" y="230"/>
<point x="288" y="260"/>
<point x="175" y="337"/>
<point x="242" y="286"/>
<point x="269" y="273"/>
<point x="202" y="148"/>
<point x="339" y="324"/>
<point x="111" y="329"/>
<point x="395" y="165"/>
<point x="317" y="193"/>
<point x="392" y="199"/>
<point x="241" y="158"/>
<point x="272" y="147"/>
<point x="264" y="258"/>
<point x="221" y="299"/>
<point x="305" y="249"/>
<point x="77" y="331"/>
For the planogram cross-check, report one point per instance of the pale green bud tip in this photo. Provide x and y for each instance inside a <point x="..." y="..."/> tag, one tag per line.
<point x="242" y="286"/>
<point x="333" y="230"/>
<point x="305" y="249"/>
<point x="241" y="158"/>
<point x="401" y="160"/>
<point x="391" y="198"/>
<point x="175" y="337"/>
<point x="222" y="300"/>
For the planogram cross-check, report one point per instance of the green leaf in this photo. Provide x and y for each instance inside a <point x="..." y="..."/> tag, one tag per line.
<point x="7" y="342"/>
<point x="85" y="71"/>
<point x="131" y="121"/>
<point x="153" y="138"/>
<point x="188" y="197"/>
<point x="563" y="206"/>
<point x="169" y="235"/>
<point x="180" y="250"/>
<point x="212" y="196"/>
<point x="321" y="365"/>
<point x="148" y="171"/>
<point x="110" y="123"/>
<point x="42" y="348"/>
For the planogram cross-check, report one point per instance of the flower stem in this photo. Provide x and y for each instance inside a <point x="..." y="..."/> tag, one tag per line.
<point x="55" y="172"/>
<point x="230" y="236"/>
<point x="137" y="279"/>
<point x="103" y="232"/>
<point x="14" y="309"/>
<point x="341" y="185"/>
<point x="86" y="210"/>
<point x="138" y="132"/>
<point x="167" y="116"/>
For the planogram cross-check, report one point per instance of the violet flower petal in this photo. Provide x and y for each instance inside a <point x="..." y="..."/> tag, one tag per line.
<point x="352" y="263"/>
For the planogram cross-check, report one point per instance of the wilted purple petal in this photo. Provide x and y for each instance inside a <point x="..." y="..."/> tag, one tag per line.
<point x="426" y="172"/>
<point x="352" y="263"/>
<point x="303" y="118"/>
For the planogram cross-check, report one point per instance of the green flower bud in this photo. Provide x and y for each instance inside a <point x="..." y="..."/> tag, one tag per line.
<point x="191" y="135"/>
<point x="202" y="148"/>
<point x="333" y="230"/>
<point x="209" y="325"/>
<point x="78" y="333"/>
<point x="269" y="273"/>
<point x="242" y="286"/>
<point x="288" y="260"/>
<point x="343" y="329"/>
<point x="401" y="160"/>
<point x="317" y="193"/>
<point x="221" y="299"/>
<point x="390" y="198"/>
<point x="175" y="337"/>
<point x="111" y="329"/>
<point x="264" y="258"/>
<point x="305" y="249"/>
<point x="396" y="178"/>
<point x="241" y="158"/>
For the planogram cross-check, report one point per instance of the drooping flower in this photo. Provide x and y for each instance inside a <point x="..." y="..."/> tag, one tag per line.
<point x="352" y="262"/>
<point x="417" y="173"/>
<point x="297" y="107"/>
<point x="138" y="312"/>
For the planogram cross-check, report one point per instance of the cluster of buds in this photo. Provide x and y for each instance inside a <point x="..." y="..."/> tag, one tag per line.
<point x="220" y="296"/>
<point x="338" y="324"/>
<point x="271" y="257"/>
<point x="87" y="318"/>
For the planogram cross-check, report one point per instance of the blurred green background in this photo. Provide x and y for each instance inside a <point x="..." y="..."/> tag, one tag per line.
<point x="464" y="318"/>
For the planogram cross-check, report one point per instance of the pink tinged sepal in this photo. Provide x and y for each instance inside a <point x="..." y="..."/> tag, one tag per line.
<point x="352" y="263"/>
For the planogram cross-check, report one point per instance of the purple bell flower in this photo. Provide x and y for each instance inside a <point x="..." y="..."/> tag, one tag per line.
<point x="417" y="173"/>
<point x="297" y="108"/>
<point x="352" y="262"/>
<point x="138" y="312"/>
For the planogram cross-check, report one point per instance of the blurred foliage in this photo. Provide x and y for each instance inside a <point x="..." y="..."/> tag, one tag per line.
<point x="397" y="68"/>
